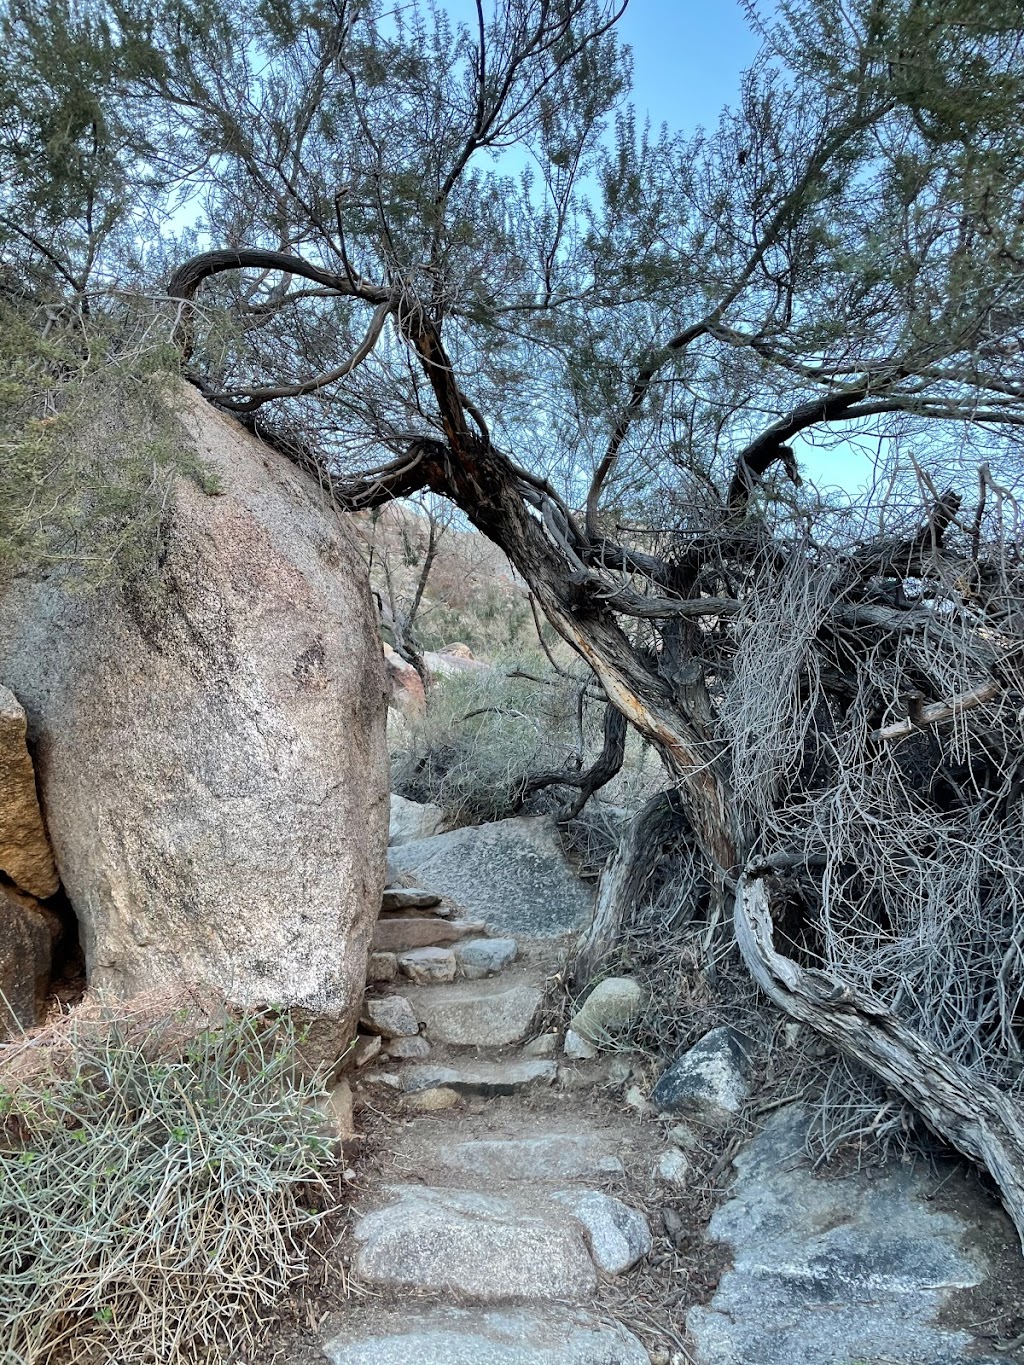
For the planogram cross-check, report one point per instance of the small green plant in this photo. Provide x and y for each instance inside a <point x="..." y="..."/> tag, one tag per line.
<point x="158" y="1192"/>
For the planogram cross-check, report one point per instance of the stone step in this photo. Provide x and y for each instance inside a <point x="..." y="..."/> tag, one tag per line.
<point x="478" y="1014"/>
<point x="479" y="1078"/>
<point x="403" y="932"/>
<point x="454" y="1336"/>
<point x="555" y="1156"/>
<point x="404" y="900"/>
<point x="477" y="1246"/>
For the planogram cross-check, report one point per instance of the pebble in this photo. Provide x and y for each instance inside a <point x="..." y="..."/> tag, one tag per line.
<point x="673" y="1167"/>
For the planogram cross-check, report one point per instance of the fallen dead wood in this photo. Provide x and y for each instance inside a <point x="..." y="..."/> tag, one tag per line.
<point x="980" y="1121"/>
<point x="939" y="711"/>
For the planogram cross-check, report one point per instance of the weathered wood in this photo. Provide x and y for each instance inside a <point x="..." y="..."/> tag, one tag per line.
<point x="980" y="1121"/>
<point x="939" y="711"/>
<point x="623" y="879"/>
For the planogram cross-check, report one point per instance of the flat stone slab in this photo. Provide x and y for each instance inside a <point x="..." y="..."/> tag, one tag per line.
<point x="452" y="1336"/>
<point x="428" y="965"/>
<point x="480" y="957"/>
<point x="832" y="1270"/>
<point x="403" y="933"/>
<point x="476" y="1016"/>
<point x="481" y="1078"/>
<point x="511" y="873"/>
<point x="559" y="1156"/>
<point x="398" y="898"/>
<point x="483" y="1247"/>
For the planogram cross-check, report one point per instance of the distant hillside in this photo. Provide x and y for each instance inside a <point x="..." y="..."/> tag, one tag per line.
<point x="472" y="593"/>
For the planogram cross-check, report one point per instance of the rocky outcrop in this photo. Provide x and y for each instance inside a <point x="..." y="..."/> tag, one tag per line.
<point x="511" y="873"/>
<point x="407" y="694"/>
<point x="28" y="934"/>
<point x="210" y="748"/>
<point x="25" y="853"/>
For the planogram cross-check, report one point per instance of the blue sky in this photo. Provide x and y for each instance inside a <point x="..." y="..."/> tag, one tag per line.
<point x="687" y="57"/>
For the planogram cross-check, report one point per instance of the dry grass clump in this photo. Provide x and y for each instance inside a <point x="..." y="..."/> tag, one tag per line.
<point x="160" y="1185"/>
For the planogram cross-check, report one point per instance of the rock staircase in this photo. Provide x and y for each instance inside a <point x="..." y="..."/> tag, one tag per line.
<point x="504" y="1208"/>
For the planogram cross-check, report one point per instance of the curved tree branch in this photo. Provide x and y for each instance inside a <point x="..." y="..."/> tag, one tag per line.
<point x="973" y="1116"/>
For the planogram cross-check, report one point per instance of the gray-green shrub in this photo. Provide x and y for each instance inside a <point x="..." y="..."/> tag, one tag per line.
<point x="158" y="1190"/>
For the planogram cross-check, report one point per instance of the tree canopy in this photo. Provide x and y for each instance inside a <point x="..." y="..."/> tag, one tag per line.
<point x="446" y="257"/>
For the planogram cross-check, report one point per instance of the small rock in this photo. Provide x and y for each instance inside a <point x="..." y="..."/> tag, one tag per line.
<point x="707" y="1082"/>
<point x="792" y="1033"/>
<point x="479" y="957"/>
<point x="409" y="1049"/>
<point x="610" y="1007"/>
<point x="408" y="898"/>
<point x="391" y="1016"/>
<point x="577" y="1049"/>
<point x="683" y="1137"/>
<point x="387" y="1079"/>
<point x="428" y="966"/>
<point x="673" y="1167"/>
<point x="618" y="1235"/>
<point x="432" y="1101"/>
<point x="365" y="1048"/>
<point x="544" y="1045"/>
<point x="338" y="1111"/>
<point x="381" y="967"/>
<point x="410" y="820"/>
<point x="619" y="1070"/>
<point x="636" y="1099"/>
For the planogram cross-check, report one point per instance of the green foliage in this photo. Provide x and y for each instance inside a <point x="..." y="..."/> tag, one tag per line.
<point x="89" y="447"/>
<point x="158" y="1190"/>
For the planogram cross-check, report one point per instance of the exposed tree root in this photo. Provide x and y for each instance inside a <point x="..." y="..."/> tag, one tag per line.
<point x="969" y="1113"/>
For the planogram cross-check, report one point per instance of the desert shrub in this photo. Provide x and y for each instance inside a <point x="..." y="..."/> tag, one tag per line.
<point x="484" y="733"/>
<point x="89" y="445"/>
<point x="487" y="732"/>
<point x="158" y="1189"/>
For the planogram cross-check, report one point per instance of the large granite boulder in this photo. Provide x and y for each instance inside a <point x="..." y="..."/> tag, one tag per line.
<point x="511" y="873"/>
<point x="210" y="749"/>
<point x="25" y="853"/>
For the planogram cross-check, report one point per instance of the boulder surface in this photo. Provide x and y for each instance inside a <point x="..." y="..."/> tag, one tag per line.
<point x="211" y="744"/>
<point x="511" y="873"/>
<point x="25" y="853"/>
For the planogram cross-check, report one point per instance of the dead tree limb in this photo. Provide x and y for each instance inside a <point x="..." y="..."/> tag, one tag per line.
<point x="980" y="1121"/>
<point x="624" y="878"/>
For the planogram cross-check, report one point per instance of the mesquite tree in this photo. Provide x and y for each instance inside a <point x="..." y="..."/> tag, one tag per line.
<point x="444" y="257"/>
